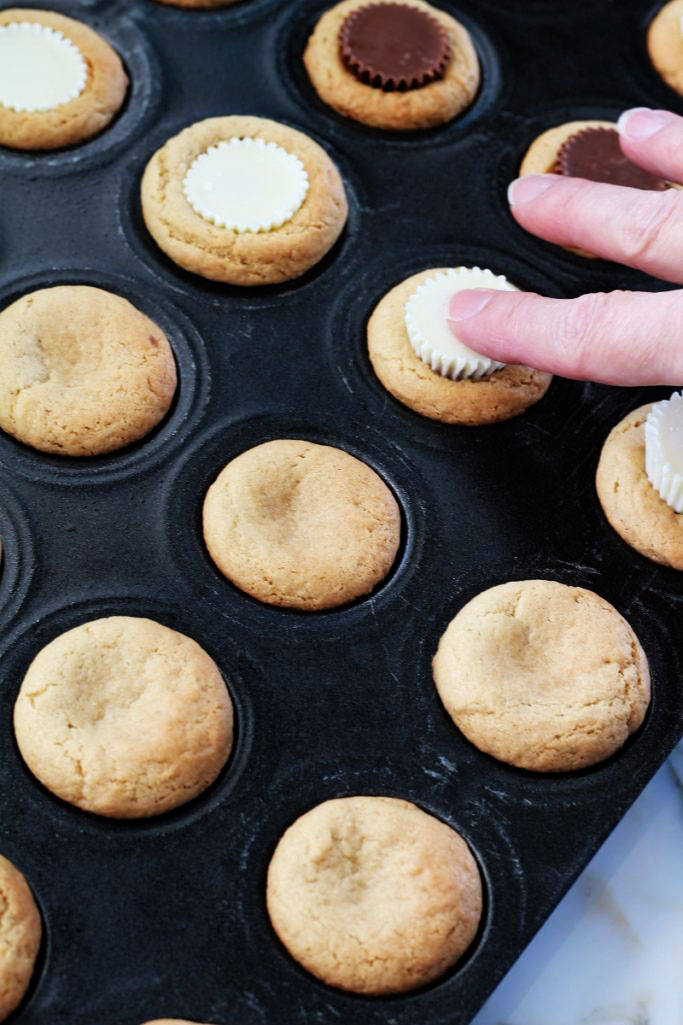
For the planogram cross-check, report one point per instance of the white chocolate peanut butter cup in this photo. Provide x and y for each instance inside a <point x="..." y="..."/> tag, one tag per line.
<point x="426" y="320"/>
<point x="246" y="185"/>
<point x="40" y="68"/>
<point x="664" y="450"/>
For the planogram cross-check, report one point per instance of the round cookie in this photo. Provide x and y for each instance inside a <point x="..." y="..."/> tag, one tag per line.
<point x="629" y="501"/>
<point x="503" y="394"/>
<point x="103" y="86"/>
<point x="542" y="154"/>
<point x="542" y="676"/>
<point x="301" y="525"/>
<point x="82" y="371"/>
<point x="665" y="43"/>
<point x="124" y="717"/>
<point x="20" y="934"/>
<point x="242" y="257"/>
<point x="424" y="107"/>
<point x="373" y="895"/>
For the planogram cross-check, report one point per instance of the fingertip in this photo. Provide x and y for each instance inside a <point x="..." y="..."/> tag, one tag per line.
<point x="529" y="187"/>
<point x="638" y="124"/>
<point x="467" y="304"/>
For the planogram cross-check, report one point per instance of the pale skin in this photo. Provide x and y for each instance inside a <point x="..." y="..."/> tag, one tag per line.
<point x="623" y="338"/>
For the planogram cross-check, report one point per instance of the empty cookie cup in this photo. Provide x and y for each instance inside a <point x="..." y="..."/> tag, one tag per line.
<point x="124" y="717"/>
<point x="82" y="371"/>
<point x="543" y="676"/>
<point x="301" y="525"/>
<point x="20" y="935"/>
<point x="373" y="895"/>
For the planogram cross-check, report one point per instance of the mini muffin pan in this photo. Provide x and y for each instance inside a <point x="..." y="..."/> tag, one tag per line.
<point x="167" y="917"/>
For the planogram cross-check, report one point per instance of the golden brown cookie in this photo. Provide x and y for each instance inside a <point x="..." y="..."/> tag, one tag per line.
<point x="543" y="676"/>
<point x="504" y="394"/>
<point x="301" y="525"/>
<point x="80" y="94"/>
<point x="124" y="717"/>
<point x="373" y="895"/>
<point x="665" y="44"/>
<point x="20" y="933"/>
<point x="541" y="157"/>
<point x="82" y="371"/>
<point x="424" y="107"/>
<point x="630" y="502"/>
<point x="242" y="256"/>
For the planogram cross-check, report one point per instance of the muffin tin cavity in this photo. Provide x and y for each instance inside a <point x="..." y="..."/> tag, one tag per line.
<point x="191" y="394"/>
<point x="239" y="673"/>
<point x="216" y="448"/>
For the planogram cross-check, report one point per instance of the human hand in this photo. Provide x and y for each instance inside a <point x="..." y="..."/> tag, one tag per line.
<point x="626" y="338"/>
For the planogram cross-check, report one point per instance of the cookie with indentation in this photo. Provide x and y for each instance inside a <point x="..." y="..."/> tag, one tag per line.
<point x="124" y="717"/>
<point x="449" y="86"/>
<point x="60" y="82"/>
<point x="243" y="200"/>
<point x="665" y="43"/>
<point x="502" y="394"/>
<point x="373" y="895"/>
<point x="542" y="675"/>
<point x="20" y="934"/>
<point x="630" y="502"/>
<point x="301" y="525"/>
<point x="82" y="371"/>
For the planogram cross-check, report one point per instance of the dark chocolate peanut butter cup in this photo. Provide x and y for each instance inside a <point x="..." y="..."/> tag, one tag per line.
<point x="394" y="46"/>
<point x="595" y="154"/>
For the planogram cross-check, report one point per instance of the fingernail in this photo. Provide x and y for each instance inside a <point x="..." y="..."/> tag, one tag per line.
<point x="524" y="189"/>
<point x="467" y="304"/>
<point x="639" y="123"/>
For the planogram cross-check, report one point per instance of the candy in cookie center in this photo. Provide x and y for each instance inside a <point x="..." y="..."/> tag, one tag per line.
<point x="664" y="450"/>
<point x="429" y="333"/>
<point x="595" y="154"/>
<point x="394" y="46"/>
<point x="246" y="185"/>
<point x="40" y="68"/>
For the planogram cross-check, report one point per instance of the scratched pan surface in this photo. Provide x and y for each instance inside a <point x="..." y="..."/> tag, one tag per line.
<point x="167" y="917"/>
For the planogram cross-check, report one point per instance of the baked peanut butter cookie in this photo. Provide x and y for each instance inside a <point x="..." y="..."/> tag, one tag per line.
<point x="400" y="66"/>
<point x="543" y="676"/>
<point x="631" y="503"/>
<point x="124" y="717"/>
<point x="82" y="371"/>
<point x="587" y="149"/>
<point x="20" y="933"/>
<point x="243" y="200"/>
<point x="60" y="82"/>
<point x="301" y="525"/>
<point x="665" y="43"/>
<point x="413" y="353"/>
<point x="373" y="895"/>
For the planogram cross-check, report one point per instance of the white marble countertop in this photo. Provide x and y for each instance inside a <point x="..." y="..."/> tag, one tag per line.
<point x="612" y="952"/>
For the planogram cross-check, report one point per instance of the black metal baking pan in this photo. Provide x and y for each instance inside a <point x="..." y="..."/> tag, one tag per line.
<point x="166" y="917"/>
